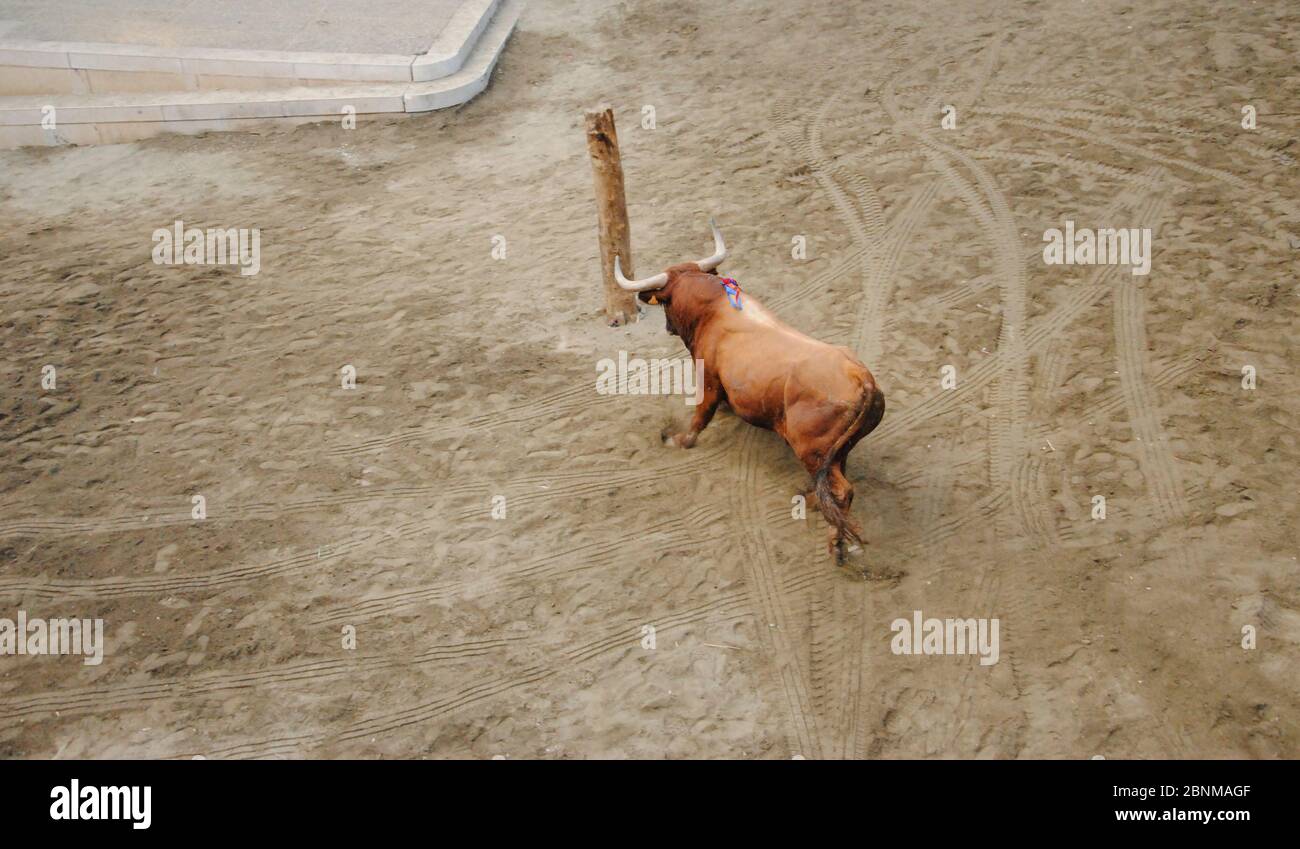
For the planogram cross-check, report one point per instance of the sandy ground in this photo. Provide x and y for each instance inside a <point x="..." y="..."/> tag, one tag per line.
<point x="522" y="636"/>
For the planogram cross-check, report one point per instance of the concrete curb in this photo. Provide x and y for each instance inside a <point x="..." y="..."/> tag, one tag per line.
<point x="449" y="51"/>
<point x="453" y="45"/>
<point x="88" y="119"/>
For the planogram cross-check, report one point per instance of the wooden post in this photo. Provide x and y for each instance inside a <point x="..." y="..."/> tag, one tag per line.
<point x="611" y="212"/>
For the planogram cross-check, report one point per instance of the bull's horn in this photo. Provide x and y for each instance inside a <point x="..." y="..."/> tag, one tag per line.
<point x="719" y="250"/>
<point x="655" y="282"/>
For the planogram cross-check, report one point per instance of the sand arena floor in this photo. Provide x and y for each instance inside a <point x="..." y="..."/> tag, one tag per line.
<point x="371" y="508"/>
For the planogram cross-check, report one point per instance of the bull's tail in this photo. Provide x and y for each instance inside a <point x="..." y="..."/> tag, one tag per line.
<point x="863" y="423"/>
<point x="830" y="508"/>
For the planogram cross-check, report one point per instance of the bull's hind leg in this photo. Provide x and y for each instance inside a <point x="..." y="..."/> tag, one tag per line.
<point x="834" y="497"/>
<point x="841" y="489"/>
<point x="809" y="493"/>
<point x="842" y="527"/>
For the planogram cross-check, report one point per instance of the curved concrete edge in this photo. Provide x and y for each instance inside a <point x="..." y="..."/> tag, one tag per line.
<point x="449" y="51"/>
<point x="78" y="118"/>
<point x="453" y="45"/>
<point x="476" y="71"/>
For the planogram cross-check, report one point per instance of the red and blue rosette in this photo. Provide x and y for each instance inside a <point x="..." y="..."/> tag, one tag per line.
<point x="732" y="288"/>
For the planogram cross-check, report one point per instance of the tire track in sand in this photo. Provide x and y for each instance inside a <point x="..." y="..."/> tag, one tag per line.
<point x="1082" y="166"/>
<point x="548" y="567"/>
<point x="991" y="210"/>
<point x="1034" y="112"/>
<point x="855" y="735"/>
<point x="981" y="511"/>
<point x="1061" y="93"/>
<point x="867" y="342"/>
<point x="577" y="397"/>
<point x="986" y="202"/>
<point x="802" y="680"/>
<point x="723" y="608"/>
<point x="838" y="614"/>
<point x="1140" y="151"/>
<point x="580" y="484"/>
<point x="903" y="422"/>
<point x="1154" y="457"/>
<point x="125" y="696"/>
<point x="94" y="700"/>
<point x="775" y="621"/>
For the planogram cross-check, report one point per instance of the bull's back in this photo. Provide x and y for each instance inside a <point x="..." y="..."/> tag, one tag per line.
<point x="766" y="367"/>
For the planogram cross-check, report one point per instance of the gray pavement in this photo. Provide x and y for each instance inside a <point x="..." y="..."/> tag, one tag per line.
<point x="323" y="26"/>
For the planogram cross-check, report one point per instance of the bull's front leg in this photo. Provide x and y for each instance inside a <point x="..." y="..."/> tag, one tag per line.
<point x="710" y="395"/>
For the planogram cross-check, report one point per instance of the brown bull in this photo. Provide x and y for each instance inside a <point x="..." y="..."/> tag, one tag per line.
<point x="820" y="398"/>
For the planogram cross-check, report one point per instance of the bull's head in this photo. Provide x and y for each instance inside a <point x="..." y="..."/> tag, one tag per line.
<point x="659" y="288"/>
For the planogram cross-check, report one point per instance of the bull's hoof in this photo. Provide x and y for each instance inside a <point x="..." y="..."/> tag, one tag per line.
<point x="850" y="562"/>
<point x="678" y="440"/>
<point x="845" y="554"/>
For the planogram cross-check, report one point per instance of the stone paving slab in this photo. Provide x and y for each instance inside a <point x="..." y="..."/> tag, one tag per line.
<point x="326" y="26"/>
<point x="95" y="119"/>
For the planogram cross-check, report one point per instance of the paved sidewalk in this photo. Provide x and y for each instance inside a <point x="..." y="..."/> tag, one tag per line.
<point x="323" y="26"/>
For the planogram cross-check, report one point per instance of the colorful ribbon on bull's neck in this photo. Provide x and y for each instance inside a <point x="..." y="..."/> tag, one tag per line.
<point x="732" y="288"/>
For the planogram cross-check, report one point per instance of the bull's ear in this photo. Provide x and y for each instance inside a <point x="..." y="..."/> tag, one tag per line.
<point x="653" y="297"/>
